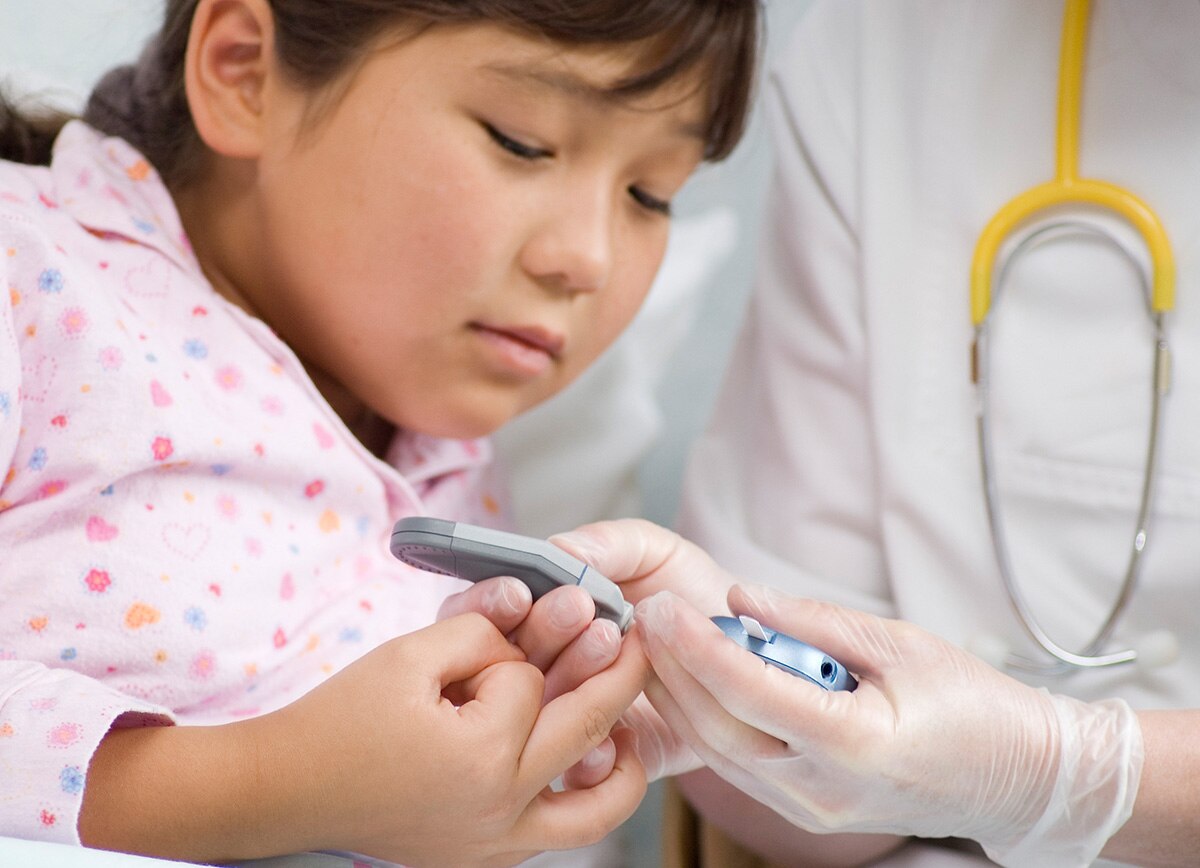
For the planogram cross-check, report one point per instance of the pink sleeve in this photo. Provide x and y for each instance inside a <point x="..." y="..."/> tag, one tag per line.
<point x="10" y="374"/>
<point x="51" y="720"/>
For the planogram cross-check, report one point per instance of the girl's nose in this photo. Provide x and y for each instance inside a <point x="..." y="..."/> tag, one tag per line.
<point x="570" y="250"/>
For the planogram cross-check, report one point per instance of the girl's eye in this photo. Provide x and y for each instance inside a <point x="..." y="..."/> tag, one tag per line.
<point x="517" y="149"/>
<point x="650" y="203"/>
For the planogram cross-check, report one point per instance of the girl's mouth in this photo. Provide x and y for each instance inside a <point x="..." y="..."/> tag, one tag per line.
<point x="525" y="350"/>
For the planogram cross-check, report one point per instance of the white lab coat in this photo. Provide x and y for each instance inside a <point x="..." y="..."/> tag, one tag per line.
<point x="842" y="460"/>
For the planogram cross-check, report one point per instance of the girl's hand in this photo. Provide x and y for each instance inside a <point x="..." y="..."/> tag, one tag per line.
<point x="560" y="637"/>
<point x="933" y="742"/>
<point x="400" y="772"/>
<point x="559" y="634"/>
<point x="642" y="558"/>
<point x="433" y="749"/>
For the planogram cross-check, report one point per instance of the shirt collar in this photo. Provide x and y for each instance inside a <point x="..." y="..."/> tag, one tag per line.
<point x="420" y="457"/>
<point x="112" y="190"/>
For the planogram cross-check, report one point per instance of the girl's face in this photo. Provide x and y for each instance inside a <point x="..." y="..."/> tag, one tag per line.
<point x="465" y="228"/>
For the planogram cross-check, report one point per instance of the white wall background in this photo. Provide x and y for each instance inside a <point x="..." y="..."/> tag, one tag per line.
<point x="64" y="46"/>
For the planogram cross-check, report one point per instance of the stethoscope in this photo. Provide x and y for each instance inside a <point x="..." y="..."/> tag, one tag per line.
<point x="1067" y="188"/>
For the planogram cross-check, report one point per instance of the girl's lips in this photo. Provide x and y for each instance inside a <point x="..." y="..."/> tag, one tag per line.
<point x="537" y="337"/>
<point x="525" y="350"/>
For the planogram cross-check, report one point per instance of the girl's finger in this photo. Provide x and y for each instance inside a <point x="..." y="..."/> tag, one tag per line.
<point x="580" y="719"/>
<point x="591" y="652"/>
<point x="579" y="817"/>
<point x="595" y="766"/>
<point x="459" y="648"/>
<point x="504" y="601"/>
<point x="553" y="623"/>
<point x="506" y="699"/>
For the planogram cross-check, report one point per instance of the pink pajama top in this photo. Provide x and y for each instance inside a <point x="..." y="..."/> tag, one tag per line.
<point x="188" y="532"/>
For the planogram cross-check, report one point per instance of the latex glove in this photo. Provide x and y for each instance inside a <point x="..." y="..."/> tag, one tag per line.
<point x="644" y="558"/>
<point x="933" y="743"/>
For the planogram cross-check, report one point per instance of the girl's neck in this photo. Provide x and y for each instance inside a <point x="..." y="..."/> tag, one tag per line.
<point x="214" y="213"/>
<point x="371" y="430"/>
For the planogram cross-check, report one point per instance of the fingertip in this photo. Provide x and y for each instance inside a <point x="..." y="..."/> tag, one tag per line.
<point x="569" y="608"/>
<point x="602" y="642"/>
<point x="658" y="615"/>
<point x="583" y="543"/>
<point x="510" y="596"/>
<point x="511" y="684"/>
<point x="595" y="766"/>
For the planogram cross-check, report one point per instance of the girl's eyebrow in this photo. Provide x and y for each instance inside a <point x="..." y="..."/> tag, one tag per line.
<point x="572" y="85"/>
<point x="555" y="79"/>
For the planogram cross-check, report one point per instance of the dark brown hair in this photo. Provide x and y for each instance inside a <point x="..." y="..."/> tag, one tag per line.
<point x="319" y="40"/>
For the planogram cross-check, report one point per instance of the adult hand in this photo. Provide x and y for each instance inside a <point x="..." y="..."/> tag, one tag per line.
<point x="933" y="743"/>
<point x="644" y="558"/>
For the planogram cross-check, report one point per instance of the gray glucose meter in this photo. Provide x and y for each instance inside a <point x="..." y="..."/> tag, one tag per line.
<point x="455" y="548"/>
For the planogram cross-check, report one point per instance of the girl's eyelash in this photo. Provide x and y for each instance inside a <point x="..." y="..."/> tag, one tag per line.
<point x="516" y="148"/>
<point x="650" y="203"/>
<point x="528" y="152"/>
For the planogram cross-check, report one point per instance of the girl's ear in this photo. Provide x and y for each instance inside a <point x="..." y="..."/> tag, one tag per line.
<point x="228" y="72"/>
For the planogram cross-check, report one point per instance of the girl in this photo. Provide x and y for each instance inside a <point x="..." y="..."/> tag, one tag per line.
<point x="259" y="304"/>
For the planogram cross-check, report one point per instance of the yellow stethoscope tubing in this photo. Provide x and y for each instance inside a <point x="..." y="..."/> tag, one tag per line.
<point x="1067" y="188"/>
<point x="1159" y="292"/>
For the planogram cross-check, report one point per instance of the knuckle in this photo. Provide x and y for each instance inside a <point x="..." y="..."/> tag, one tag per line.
<point x="597" y="722"/>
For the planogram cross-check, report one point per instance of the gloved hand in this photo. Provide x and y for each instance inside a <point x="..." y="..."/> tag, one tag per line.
<point x="643" y="559"/>
<point x="933" y="743"/>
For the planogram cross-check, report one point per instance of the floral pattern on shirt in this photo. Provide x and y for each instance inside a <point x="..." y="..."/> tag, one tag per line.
<point x="187" y="531"/>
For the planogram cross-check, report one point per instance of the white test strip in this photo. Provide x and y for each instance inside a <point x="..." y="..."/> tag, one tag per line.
<point x="753" y="628"/>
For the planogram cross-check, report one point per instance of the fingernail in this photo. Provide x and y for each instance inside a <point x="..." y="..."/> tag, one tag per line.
<point x="509" y="595"/>
<point x="597" y="757"/>
<point x="656" y="614"/>
<point x="582" y="545"/>
<point x="564" y="613"/>
<point x="604" y="641"/>
<point x="767" y="596"/>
